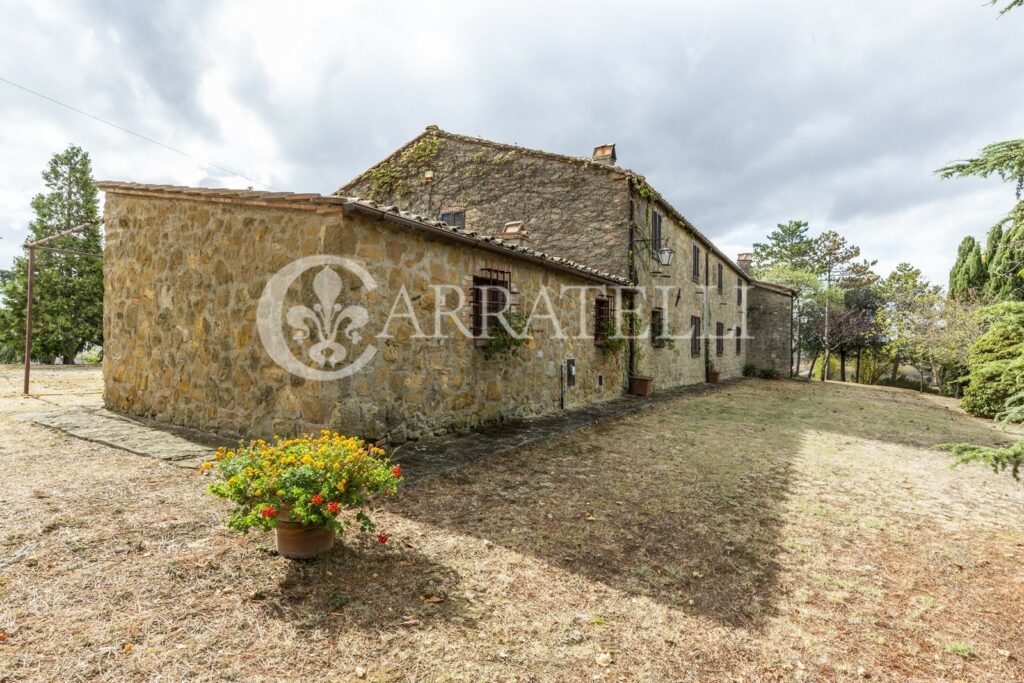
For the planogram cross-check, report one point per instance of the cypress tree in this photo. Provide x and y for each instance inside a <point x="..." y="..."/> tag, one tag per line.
<point x="968" y="275"/>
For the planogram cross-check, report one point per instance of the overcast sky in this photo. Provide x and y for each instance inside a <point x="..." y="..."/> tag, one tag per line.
<point x="743" y="114"/>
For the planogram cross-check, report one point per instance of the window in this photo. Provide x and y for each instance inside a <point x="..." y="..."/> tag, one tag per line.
<point x="739" y="291"/>
<point x="491" y="294"/>
<point x="604" y="316"/>
<point x="658" y="327"/>
<point x="655" y="233"/>
<point x="696" y="263"/>
<point x="456" y="219"/>
<point x="739" y="340"/>
<point x="720" y="278"/>
<point x="719" y="339"/>
<point x="695" y="336"/>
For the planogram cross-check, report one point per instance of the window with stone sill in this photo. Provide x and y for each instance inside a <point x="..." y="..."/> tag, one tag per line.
<point x="719" y="339"/>
<point x="739" y="340"/>
<point x="604" y="315"/>
<point x="696" y="263"/>
<point x="721" y="278"/>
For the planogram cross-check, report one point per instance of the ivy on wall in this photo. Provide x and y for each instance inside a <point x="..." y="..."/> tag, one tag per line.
<point x="388" y="180"/>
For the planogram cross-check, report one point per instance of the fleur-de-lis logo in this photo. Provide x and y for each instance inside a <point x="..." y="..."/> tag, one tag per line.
<point x="329" y="324"/>
<point x="325" y="318"/>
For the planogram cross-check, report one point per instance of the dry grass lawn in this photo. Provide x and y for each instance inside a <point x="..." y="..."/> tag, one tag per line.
<point x="767" y="531"/>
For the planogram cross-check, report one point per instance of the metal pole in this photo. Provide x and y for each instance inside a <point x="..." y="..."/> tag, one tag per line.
<point x="28" y="316"/>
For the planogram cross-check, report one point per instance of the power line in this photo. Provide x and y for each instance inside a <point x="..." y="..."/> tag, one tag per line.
<point x="138" y="135"/>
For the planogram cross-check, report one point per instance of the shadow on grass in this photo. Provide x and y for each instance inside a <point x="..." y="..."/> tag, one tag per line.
<point x="683" y="504"/>
<point x="363" y="586"/>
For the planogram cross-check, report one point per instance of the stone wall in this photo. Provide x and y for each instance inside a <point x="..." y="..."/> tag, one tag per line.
<point x="770" y="315"/>
<point x="183" y="278"/>
<point x="569" y="208"/>
<point x="680" y="296"/>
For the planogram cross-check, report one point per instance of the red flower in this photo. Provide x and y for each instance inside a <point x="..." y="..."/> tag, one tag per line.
<point x="317" y="499"/>
<point x="383" y="538"/>
<point x="396" y="471"/>
<point x="333" y="508"/>
<point x="268" y="512"/>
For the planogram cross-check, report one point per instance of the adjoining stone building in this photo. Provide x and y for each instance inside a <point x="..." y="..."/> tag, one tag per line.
<point x="255" y="313"/>
<point x="595" y="212"/>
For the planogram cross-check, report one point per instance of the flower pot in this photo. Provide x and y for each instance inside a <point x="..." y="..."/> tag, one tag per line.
<point x="300" y="541"/>
<point x="713" y="376"/>
<point x="640" y="386"/>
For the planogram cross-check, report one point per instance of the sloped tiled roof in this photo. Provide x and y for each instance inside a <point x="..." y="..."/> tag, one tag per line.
<point x="310" y="200"/>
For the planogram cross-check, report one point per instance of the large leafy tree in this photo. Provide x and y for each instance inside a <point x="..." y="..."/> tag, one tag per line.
<point x="1006" y="260"/>
<point x="910" y="305"/>
<point x="968" y="276"/>
<point x="68" y="284"/>
<point x="834" y="262"/>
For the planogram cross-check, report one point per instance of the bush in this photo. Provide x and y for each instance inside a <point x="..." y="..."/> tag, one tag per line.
<point x="996" y="363"/>
<point x="768" y="373"/>
<point x="308" y="480"/>
<point x="749" y="370"/>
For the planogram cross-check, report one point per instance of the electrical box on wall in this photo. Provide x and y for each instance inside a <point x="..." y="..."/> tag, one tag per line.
<point x="570" y="372"/>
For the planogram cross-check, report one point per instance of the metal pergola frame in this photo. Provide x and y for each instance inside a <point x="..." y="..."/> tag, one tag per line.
<point x="31" y="247"/>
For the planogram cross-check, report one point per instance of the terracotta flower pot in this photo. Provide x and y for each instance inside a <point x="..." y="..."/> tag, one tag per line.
<point x="640" y="386"/>
<point x="300" y="541"/>
<point x="713" y="376"/>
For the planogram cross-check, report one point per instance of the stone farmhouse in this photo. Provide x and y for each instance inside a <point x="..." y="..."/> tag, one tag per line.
<point x="253" y="313"/>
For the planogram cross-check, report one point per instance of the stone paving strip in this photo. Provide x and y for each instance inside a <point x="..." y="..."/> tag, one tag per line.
<point x="420" y="460"/>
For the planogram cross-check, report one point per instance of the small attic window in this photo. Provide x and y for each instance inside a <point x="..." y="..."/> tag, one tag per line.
<point x="514" y="228"/>
<point x="456" y="219"/>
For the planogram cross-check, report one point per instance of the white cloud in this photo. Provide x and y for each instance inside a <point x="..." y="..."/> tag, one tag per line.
<point x="745" y="114"/>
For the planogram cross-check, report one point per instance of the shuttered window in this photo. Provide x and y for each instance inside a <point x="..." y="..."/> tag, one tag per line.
<point x="655" y="232"/>
<point x="658" y="327"/>
<point x="695" y="336"/>
<point x="719" y="339"/>
<point x="696" y="263"/>
<point x="739" y="341"/>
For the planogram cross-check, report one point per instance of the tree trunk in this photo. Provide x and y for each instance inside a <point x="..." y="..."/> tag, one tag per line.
<point x="842" y="365"/>
<point x="814" y="360"/>
<point x="856" y="370"/>
<point x="824" y="368"/>
<point x="895" y="370"/>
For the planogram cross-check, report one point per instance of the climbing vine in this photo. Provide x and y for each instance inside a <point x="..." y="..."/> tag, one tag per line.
<point x="388" y="180"/>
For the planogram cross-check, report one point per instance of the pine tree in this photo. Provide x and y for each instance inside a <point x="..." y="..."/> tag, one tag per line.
<point x="968" y="276"/>
<point x="68" y="297"/>
<point x="788" y="246"/>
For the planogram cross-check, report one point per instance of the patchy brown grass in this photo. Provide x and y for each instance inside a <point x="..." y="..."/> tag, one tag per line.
<point x="771" y="530"/>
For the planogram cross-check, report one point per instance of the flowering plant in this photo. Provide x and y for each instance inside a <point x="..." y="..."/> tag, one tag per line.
<point x="306" y="480"/>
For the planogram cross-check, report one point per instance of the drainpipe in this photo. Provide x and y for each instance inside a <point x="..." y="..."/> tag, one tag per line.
<point x="631" y="342"/>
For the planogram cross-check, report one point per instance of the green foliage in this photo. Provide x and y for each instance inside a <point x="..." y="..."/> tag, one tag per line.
<point x="1005" y="264"/>
<point x="1010" y="4"/>
<point x="612" y="340"/>
<point x="68" y="296"/>
<point x="788" y="247"/>
<point x="749" y="370"/>
<point x="768" y="373"/>
<point x="999" y="459"/>
<point x="306" y="480"/>
<point x="996" y="362"/>
<point x="504" y="341"/>
<point x="968" y="276"/>
<point x="1005" y="159"/>
<point x="389" y="179"/>
<point x="643" y="188"/>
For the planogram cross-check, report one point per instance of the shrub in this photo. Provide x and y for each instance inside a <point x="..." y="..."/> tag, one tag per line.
<point x="996" y="363"/>
<point x="768" y="373"/>
<point x="749" y="370"/>
<point x="309" y="480"/>
<point x="612" y="340"/>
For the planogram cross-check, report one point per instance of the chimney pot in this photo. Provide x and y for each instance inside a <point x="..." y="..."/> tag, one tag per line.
<point x="744" y="260"/>
<point x="605" y="154"/>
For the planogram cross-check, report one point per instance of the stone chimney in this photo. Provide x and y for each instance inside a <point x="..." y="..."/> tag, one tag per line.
<point x="605" y="154"/>
<point x="743" y="261"/>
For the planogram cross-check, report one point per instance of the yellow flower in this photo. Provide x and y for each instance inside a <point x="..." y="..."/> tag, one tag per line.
<point x="341" y="486"/>
<point x="320" y="464"/>
<point x="306" y="459"/>
<point x="280" y="492"/>
<point x="232" y="481"/>
<point x="206" y="465"/>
